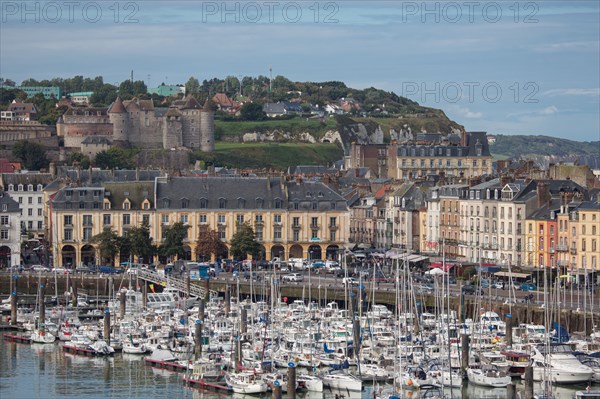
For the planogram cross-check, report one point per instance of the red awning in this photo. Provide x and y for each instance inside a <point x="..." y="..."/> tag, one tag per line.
<point x="440" y="265"/>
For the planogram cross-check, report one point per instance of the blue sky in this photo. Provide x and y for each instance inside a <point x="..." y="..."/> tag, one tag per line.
<point x="514" y="67"/>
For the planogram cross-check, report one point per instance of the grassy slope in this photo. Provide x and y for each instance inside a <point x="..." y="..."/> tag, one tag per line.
<point x="277" y="156"/>
<point x="295" y="125"/>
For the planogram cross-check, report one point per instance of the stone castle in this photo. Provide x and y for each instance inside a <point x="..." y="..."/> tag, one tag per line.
<point x="138" y="123"/>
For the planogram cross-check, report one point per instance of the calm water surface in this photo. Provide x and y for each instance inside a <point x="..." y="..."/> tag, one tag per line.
<point x="46" y="372"/>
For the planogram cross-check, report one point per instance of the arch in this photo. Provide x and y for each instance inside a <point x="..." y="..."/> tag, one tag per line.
<point x="68" y="256"/>
<point x="5" y="254"/>
<point x="315" y="252"/>
<point x="296" y="251"/>
<point x="331" y="252"/>
<point x="88" y="255"/>
<point x="187" y="252"/>
<point x="277" y="251"/>
<point x="262" y="253"/>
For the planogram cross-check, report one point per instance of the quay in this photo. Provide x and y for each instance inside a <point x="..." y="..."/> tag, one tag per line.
<point x="205" y="385"/>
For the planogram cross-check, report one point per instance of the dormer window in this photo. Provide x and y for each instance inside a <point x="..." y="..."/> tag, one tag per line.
<point x="126" y="205"/>
<point x="277" y="203"/>
<point x="166" y="203"/>
<point x="185" y="203"/>
<point x="20" y="187"/>
<point x="203" y="203"/>
<point x="146" y="204"/>
<point x="106" y="204"/>
<point x="241" y="203"/>
<point x="222" y="203"/>
<point x="40" y="187"/>
<point x="260" y="203"/>
<point x="30" y="187"/>
<point x="11" y="187"/>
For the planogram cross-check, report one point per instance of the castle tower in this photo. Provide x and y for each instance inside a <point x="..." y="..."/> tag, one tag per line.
<point x="119" y="118"/>
<point x="172" y="135"/>
<point x="190" y="122"/>
<point x="207" y="128"/>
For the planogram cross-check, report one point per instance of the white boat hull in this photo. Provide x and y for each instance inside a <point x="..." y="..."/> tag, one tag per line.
<point x="558" y="376"/>
<point x="485" y="379"/>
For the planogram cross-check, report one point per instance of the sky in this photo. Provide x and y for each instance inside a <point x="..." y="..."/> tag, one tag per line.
<point x="505" y="67"/>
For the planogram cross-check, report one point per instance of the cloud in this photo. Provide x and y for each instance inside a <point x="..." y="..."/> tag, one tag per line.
<point x="550" y="110"/>
<point x="465" y="112"/>
<point x="592" y="91"/>
<point x="591" y="45"/>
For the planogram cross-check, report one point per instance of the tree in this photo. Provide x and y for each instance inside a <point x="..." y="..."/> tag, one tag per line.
<point x="173" y="242"/>
<point x="141" y="243"/>
<point x="252" y="112"/>
<point x="77" y="158"/>
<point x="105" y="95"/>
<point x="209" y="243"/>
<point x="109" y="244"/>
<point x="192" y="86"/>
<point x="243" y="242"/>
<point x="129" y="89"/>
<point x="115" y="158"/>
<point x="33" y="155"/>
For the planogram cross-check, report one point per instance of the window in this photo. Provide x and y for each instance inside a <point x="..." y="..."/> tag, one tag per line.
<point x="315" y="206"/>
<point x="126" y="205"/>
<point x="332" y="236"/>
<point x="277" y="233"/>
<point x="203" y="203"/>
<point x="68" y="220"/>
<point x="314" y="234"/>
<point x="221" y="219"/>
<point x="20" y="200"/>
<point x="40" y="200"/>
<point x="146" y="219"/>
<point x="277" y="219"/>
<point x="222" y="235"/>
<point x="239" y="219"/>
<point x="40" y="225"/>
<point x="30" y="200"/>
<point x="39" y="212"/>
<point x="332" y="222"/>
<point x="87" y="220"/>
<point x="68" y="234"/>
<point x="29" y="212"/>
<point x="222" y="203"/>
<point x="202" y="218"/>
<point x="146" y="205"/>
<point x="278" y="203"/>
<point x="296" y="235"/>
<point x="164" y="219"/>
<point x="87" y="233"/>
<point x="105" y="219"/>
<point x="185" y="203"/>
<point x="183" y="218"/>
<point x="296" y="221"/>
<point x="126" y="219"/>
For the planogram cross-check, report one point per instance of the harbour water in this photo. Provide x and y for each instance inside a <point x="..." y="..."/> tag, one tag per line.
<point x="46" y="372"/>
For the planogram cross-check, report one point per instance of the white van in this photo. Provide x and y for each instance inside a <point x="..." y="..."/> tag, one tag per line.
<point x="297" y="263"/>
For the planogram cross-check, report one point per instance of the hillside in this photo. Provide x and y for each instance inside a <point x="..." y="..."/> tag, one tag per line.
<point x="545" y="149"/>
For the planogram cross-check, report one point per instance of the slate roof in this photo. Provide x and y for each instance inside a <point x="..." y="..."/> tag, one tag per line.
<point x="136" y="192"/>
<point x="26" y="179"/>
<point x="11" y="204"/>
<point x="98" y="177"/>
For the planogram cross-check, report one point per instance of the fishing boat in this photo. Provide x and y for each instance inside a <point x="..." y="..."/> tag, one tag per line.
<point x="246" y="382"/>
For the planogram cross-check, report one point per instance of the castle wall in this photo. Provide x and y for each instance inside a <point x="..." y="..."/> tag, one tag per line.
<point x="75" y="133"/>
<point x="191" y="128"/>
<point x="172" y="133"/>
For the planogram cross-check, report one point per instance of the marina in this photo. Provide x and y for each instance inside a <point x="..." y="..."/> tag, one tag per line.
<point x="267" y="343"/>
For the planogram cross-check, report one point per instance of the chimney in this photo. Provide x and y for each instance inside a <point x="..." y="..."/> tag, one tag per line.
<point x="463" y="139"/>
<point x="543" y="193"/>
<point x="52" y="169"/>
<point x="504" y="180"/>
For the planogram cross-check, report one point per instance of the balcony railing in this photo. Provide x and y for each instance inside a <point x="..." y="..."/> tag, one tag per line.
<point x="490" y="246"/>
<point x="562" y="248"/>
<point x="573" y="251"/>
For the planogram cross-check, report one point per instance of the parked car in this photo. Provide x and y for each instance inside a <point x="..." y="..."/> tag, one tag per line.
<point x="350" y="281"/>
<point x="293" y="278"/>
<point x="40" y="268"/>
<point x="60" y="270"/>
<point x="84" y="269"/>
<point x="111" y="270"/>
<point x="528" y="287"/>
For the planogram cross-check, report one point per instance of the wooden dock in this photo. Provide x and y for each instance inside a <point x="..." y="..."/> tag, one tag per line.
<point x="22" y="339"/>
<point x="81" y="351"/>
<point x="205" y="385"/>
<point x="166" y="365"/>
